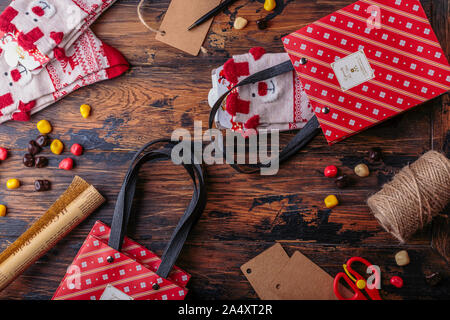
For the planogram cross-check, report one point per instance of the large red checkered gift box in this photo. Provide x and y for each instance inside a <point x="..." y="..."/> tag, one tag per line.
<point x="368" y="62"/>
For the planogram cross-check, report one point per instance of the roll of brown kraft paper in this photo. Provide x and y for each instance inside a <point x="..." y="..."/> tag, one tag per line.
<point x="73" y="206"/>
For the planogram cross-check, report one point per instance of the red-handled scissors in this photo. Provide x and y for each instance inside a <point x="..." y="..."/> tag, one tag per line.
<point x="356" y="281"/>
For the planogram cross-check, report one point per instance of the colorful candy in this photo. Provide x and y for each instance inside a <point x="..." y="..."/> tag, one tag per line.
<point x="342" y="181"/>
<point x="66" y="164"/>
<point x="240" y="23"/>
<point x="44" y="127"/>
<point x="362" y="170"/>
<point x="331" y="201"/>
<point x="13" y="184"/>
<point x="269" y="5"/>
<point x="330" y="171"/>
<point x="76" y="149"/>
<point x="433" y="279"/>
<point x="33" y="148"/>
<point x="42" y="185"/>
<point x="375" y="154"/>
<point x="402" y="258"/>
<point x="2" y="210"/>
<point x="396" y="281"/>
<point x="85" y="110"/>
<point x="57" y="146"/>
<point x="262" y="24"/>
<point x="28" y="160"/>
<point x="42" y="140"/>
<point x="3" y="154"/>
<point x="41" y="162"/>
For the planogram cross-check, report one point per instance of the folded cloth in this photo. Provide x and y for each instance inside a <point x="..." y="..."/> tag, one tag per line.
<point x="39" y="30"/>
<point x="276" y="103"/>
<point x="88" y="60"/>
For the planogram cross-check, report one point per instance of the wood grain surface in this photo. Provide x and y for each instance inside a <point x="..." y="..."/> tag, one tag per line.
<point x="167" y="89"/>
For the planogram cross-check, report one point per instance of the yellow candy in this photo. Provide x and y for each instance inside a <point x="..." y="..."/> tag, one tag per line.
<point x="85" y="110"/>
<point x="269" y="5"/>
<point x="13" y="184"/>
<point x="361" y="284"/>
<point x="2" y="210"/>
<point x="57" y="146"/>
<point x="44" y="127"/>
<point x="331" y="201"/>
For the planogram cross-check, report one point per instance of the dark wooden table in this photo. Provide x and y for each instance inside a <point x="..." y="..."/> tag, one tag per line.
<point x="167" y="89"/>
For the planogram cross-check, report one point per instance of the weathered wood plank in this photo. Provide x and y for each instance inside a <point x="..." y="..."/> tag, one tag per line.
<point x="167" y="89"/>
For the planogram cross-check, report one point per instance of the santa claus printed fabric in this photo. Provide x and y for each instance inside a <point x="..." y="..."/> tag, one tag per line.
<point x="277" y="103"/>
<point x="24" y="92"/>
<point x="38" y="30"/>
<point x="47" y="51"/>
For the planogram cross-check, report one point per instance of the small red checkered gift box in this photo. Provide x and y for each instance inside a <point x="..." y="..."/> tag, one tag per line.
<point x="110" y="266"/>
<point x="132" y="271"/>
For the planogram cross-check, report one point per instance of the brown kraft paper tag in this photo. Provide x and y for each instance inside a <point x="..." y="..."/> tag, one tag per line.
<point x="180" y="15"/>
<point x="262" y="269"/>
<point x="302" y="279"/>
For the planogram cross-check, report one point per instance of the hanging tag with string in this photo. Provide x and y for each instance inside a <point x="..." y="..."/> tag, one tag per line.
<point x="174" y="27"/>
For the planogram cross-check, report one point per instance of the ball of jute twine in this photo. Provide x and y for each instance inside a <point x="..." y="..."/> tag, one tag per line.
<point x="416" y="194"/>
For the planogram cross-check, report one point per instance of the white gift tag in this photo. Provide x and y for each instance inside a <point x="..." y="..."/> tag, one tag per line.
<point x="112" y="293"/>
<point x="353" y="70"/>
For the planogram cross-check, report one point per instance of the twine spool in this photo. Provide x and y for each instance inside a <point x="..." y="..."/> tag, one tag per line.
<point x="417" y="193"/>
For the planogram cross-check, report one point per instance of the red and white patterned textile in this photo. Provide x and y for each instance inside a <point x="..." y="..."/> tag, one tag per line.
<point x="40" y="28"/>
<point x="277" y="103"/>
<point x="132" y="272"/>
<point x="87" y="61"/>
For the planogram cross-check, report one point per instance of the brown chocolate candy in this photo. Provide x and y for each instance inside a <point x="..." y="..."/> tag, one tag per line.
<point x="42" y="140"/>
<point x="28" y="160"/>
<point x="33" y="148"/>
<point x="375" y="154"/>
<point x="42" y="185"/>
<point x="41" y="162"/>
<point x="262" y="24"/>
<point x="433" y="279"/>
<point x="342" y="181"/>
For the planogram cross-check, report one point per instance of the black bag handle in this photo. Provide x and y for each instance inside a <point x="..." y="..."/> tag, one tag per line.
<point x="300" y="140"/>
<point x="124" y="202"/>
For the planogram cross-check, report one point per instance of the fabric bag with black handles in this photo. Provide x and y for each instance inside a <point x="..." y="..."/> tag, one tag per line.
<point x="359" y="66"/>
<point x="110" y="266"/>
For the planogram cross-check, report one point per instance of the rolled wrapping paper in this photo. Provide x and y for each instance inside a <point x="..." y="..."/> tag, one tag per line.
<point x="415" y="195"/>
<point x="72" y="207"/>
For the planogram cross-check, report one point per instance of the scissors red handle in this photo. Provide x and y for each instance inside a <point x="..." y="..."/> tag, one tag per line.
<point x="371" y="291"/>
<point x="358" y="294"/>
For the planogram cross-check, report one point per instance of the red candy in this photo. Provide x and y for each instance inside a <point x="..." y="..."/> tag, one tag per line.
<point x="396" y="281"/>
<point x="330" y="171"/>
<point x="66" y="164"/>
<point x="3" y="154"/>
<point x="76" y="149"/>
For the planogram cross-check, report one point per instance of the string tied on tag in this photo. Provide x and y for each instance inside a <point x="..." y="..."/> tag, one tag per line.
<point x="141" y="18"/>
<point x="160" y="32"/>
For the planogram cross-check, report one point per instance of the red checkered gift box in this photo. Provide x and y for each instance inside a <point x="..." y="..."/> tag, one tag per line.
<point x="110" y="266"/>
<point x="132" y="272"/>
<point x="368" y="62"/>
